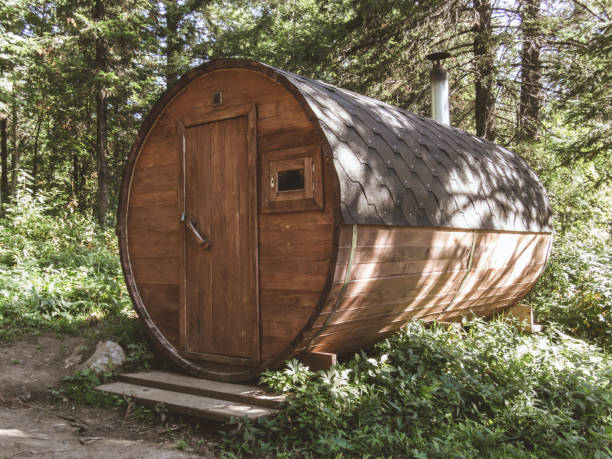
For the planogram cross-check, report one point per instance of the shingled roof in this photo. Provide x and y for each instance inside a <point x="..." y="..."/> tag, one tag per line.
<point x="398" y="168"/>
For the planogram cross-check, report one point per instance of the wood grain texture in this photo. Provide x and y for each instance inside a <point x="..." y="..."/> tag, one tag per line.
<point x="221" y="281"/>
<point x="186" y="403"/>
<point x="254" y="395"/>
<point x="295" y="263"/>
<point x="317" y="361"/>
<point x="400" y="274"/>
<point x="163" y="299"/>
<point x="295" y="253"/>
<point x="319" y="288"/>
<point x="309" y="198"/>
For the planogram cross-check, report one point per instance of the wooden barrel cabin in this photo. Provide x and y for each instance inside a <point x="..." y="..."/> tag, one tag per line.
<point x="263" y="214"/>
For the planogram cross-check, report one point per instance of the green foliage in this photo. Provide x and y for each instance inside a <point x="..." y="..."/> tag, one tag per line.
<point x="374" y="48"/>
<point x="575" y="291"/>
<point x="80" y="387"/>
<point x="58" y="270"/>
<point x="582" y="69"/>
<point x="181" y="444"/>
<point x="432" y="392"/>
<point x="138" y="356"/>
<point x="56" y="267"/>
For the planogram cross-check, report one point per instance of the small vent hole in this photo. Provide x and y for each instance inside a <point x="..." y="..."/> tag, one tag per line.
<point x="217" y="98"/>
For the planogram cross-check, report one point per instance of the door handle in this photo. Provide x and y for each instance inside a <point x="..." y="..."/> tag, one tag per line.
<point x="202" y="241"/>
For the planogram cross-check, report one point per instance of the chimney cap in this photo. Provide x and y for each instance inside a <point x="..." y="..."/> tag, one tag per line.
<point x="437" y="57"/>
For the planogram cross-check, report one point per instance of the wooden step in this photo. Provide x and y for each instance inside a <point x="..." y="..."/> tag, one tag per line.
<point x="252" y="395"/>
<point x="184" y="403"/>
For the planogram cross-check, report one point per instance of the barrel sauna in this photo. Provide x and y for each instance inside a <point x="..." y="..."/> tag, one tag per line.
<point x="263" y="214"/>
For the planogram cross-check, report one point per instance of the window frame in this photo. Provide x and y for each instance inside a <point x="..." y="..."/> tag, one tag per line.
<point x="309" y="198"/>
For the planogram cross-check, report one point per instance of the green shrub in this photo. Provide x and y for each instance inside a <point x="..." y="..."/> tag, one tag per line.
<point x="575" y="292"/>
<point x="56" y="267"/>
<point x="432" y="392"/>
<point x="138" y="356"/>
<point x="80" y="387"/>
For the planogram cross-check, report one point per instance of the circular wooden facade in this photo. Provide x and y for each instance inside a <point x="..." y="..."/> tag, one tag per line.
<point x="263" y="214"/>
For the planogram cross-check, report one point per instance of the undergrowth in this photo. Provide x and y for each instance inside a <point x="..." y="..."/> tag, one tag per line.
<point x="57" y="268"/>
<point x="425" y="392"/>
<point x="575" y="292"/>
<point x="435" y="392"/>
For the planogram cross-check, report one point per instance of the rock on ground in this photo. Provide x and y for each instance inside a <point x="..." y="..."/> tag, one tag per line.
<point x="108" y="356"/>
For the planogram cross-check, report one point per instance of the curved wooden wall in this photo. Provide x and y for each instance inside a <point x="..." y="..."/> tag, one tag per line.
<point x="323" y="285"/>
<point x="295" y="249"/>
<point x="400" y="273"/>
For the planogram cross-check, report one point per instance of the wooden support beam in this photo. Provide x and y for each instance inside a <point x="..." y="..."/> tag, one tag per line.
<point x="318" y="360"/>
<point x="524" y="314"/>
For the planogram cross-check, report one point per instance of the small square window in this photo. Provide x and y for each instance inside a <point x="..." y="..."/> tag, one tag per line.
<point x="292" y="180"/>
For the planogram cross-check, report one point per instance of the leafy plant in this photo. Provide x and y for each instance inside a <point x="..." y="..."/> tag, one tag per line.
<point x="181" y="444"/>
<point x="575" y="292"/>
<point x="139" y="356"/>
<point x="56" y="267"/>
<point x="80" y="387"/>
<point x="435" y="392"/>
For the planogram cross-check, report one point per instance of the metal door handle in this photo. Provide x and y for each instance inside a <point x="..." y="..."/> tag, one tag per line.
<point x="201" y="240"/>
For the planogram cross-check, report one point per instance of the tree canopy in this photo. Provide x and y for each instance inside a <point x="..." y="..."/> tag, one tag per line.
<point x="78" y="78"/>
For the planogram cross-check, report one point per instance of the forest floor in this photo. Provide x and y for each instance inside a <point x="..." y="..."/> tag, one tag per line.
<point x="35" y="423"/>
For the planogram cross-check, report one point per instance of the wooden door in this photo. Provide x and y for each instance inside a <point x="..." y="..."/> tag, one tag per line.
<point x="220" y="242"/>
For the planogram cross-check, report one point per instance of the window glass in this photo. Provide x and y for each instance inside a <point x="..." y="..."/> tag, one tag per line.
<point x="291" y="180"/>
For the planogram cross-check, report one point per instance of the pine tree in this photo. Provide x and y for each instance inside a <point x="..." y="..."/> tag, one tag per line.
<point x="531" y="70"/>
<point x="101" y="118"/>
<point x="484" y="74"/>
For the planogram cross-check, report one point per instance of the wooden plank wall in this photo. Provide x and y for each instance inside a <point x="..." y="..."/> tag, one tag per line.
<point x="406" y="273"/>
<point x="505" y="267"/>
<point x="295" y="248"/>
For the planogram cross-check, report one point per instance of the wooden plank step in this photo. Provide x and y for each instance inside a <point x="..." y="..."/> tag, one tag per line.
<point x="194" y="405"/>
<point x="252" y="395"/>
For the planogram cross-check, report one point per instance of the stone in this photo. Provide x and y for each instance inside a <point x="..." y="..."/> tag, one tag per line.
<point x="108" y="356"/>
<point x="75" y="357"/>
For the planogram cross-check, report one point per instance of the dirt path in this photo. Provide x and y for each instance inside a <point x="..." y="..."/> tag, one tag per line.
<point x="35" y="424"/>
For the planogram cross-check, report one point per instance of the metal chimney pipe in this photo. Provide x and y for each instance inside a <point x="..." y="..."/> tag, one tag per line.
<point x="439" y="88"/>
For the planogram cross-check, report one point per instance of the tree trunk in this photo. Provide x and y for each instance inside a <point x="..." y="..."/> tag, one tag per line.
<point x="485" y="70"/>
<point x="531" y="71"/>
<point x="173" y="47"/>
<point x="101" y="123"/>
<point x="4" y="185"/>
<point x="36" y="148"/>
<point x="15" y="153"/>
<point x="76" y="188"/>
